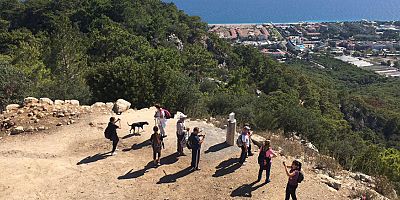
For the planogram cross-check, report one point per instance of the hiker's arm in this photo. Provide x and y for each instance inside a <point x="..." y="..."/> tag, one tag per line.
<point x="287" y="172"/>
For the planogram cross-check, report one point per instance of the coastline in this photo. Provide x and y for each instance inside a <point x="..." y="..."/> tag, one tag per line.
<point x="299" y="22"/>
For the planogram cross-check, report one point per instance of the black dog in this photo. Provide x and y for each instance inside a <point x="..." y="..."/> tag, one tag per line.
<point x="137" y="124"/>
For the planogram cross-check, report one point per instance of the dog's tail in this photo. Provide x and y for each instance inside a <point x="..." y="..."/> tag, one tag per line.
<point x="128" y="124"/>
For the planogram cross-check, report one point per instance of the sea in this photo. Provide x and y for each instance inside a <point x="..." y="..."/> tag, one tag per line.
<point x="290" y="11"/>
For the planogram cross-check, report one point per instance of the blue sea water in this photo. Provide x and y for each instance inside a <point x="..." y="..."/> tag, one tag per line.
<point x="286" y="11"/>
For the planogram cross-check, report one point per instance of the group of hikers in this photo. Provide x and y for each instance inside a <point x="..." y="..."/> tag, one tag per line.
<point x="195" y="140"/>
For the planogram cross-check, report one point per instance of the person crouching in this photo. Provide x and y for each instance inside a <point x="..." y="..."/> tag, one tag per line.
<point x="156" y="143"/>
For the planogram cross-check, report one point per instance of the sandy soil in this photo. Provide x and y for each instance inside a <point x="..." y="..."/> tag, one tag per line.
<point x="73" y="162"/>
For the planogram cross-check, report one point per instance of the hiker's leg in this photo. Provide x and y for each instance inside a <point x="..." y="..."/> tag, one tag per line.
<point x="249" y="150"/>
<point x="243" y="155"/>
<point x="197" y="158"/>
<point x="287" y="196"/>
<point x="268" y="171"/>
<point x="115" y="142"/>
<point x="293" y="192"/>
<point x="260" y="173"/>
<point x="193" y="158"/>
<point x="177" y="143"/>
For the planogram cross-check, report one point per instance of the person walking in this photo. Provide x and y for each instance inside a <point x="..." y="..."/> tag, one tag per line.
<point x="196" y="140"/>
<point x="156" y="143"/>
<point x="293" y="175"/>
<point x="160" y="120"/>
<point x="113" y="136"/>
<point x="180" y="134"/>
<point x="249" y="152"/>
<point x="265" y="160"/>
<point x="245" y="144"/>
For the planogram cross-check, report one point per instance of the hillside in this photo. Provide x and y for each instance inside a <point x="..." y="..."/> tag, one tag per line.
<point x="72" y="162"/>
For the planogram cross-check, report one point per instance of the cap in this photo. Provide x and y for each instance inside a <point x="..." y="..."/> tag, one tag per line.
<point x="247" y="127"/>
<point x="181" y="116"/>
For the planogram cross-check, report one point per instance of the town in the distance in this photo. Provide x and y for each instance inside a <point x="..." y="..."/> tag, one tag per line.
<point x="370" y="45"/>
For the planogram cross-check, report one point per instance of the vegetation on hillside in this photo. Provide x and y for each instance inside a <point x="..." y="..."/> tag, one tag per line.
<point x="102" y="50"/>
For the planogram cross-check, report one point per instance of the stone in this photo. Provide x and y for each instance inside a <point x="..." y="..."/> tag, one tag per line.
<point x="330" y="181"/>
<point x="72" y="114"/>
<point x="41" y="128"/>
<point x="20" y="111"/>
<point x="74" y="102"/>
<point x="46" y="101"/>
<point x="12" y="107"/>
<point x="72" y="121"/>
<point x="311" y="146"/>
<point x="30" y="101"/>
<point x="30" y="129"/>
<point x="60" y="114"/>
<point x="257" y="139"/>
<point x="98" y="105"/>
<point x="58" y="102"/>
<point x="109" y="105"/>
<point x="121" y="106"/>
<point x="17" y="130"/>
<point x="59" y="124"/>
<point x="30" y="114"/>
<point x="36" y="120"/>
<point x="40" y="115"/>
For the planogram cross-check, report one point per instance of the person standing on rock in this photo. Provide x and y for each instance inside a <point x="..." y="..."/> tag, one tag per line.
<point x="156" y="143"/>
<point x="196" y="140"/>
<point x="246" y="143"/>
<point x="265" y="160"/>
<point x="293" y="175"/>
<point x="112" y="131"/>
<point x="180" y="134"/>
<point x="161" y="120"/>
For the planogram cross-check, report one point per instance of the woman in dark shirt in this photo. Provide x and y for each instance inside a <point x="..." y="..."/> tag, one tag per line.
<point x="293" y="175"/>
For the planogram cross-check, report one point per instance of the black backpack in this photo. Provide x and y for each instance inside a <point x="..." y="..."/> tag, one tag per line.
<point x="262" y="157"/>
<point x="107" y="133"/>
<point x="189" y="142"/>
<point x="300" y="177"/>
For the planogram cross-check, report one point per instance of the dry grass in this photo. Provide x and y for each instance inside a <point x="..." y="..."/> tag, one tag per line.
<point x="358" y="194"/>
<point x="384" y="187"/>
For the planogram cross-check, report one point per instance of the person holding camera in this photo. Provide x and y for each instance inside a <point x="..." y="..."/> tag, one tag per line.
<point x="112" y="129"/>
<point x="196" y="140"/>
<point x="293" y="174"/>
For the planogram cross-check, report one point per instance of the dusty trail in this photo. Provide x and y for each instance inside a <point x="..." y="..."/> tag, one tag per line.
<point x="72" y="163"/>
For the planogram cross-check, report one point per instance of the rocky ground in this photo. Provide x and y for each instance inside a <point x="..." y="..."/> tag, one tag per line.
<point x="73" y="162"/>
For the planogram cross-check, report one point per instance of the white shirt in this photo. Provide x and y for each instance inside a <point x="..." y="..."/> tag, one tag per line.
<point x="246" y="139"/>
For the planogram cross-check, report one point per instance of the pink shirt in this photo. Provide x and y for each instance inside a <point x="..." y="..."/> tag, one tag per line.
<point x="269" y="153"/>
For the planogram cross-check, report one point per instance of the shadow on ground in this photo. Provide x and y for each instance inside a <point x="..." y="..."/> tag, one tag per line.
<point x="138" y="173"/>
<point x="227" y="167"/>
<point x="217" y="147"/>
<point x="131" y="135"/>
<point x="138" y="146"/>
<point x="246" y="189"/>
<point x="171" y="178"/>
<point x="169" y="160"/>
<point x="94" y="158"/>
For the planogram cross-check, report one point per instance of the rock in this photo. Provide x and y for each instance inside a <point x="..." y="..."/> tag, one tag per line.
<point x="72" y="114"/>
<point x="46" y="101"/>
<point x="91" y="124"/>
<point x="12" y="107"/>
<point x="17" y="130"/>
<point x="30" y="114"/>
<point x="74" y="102"/>
<point x="98" y="104"/>
<point x="330" y="181"/>
<point x="257" y="140"/>
<point x="30" y="101"/>
<point x="30" y="129"/>
<point x="68" y="123"/>
<point x="110" y="105"/>
<point x="311" y="146"/>
<point x="58" y="102"/>
<point x="41" y="128"/>
<point x="40" y="115"/>
<point x="60" y="114"/>
<point x="72" y="121"/>
<point x="59" y="124"/>
<point x="36" y="120"/>
<point x="361" y="177"/>
<point x="20" y="111"/>
<point x="121" y="106"/>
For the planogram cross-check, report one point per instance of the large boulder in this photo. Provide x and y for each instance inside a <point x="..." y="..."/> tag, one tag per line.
<point x="333" y="183"/>
<point x="58" y="102"/>
<point x="45" y="101"/>
<point x="110" y="105"/>
<point x="30" y="101"/>
<point x="257" y="140"/>
<point x="17" y="130"/>
<point x="12" y="107"/>
<point x="98" y="105"/>
<point x="74" y="102"/>
<point x="121" y="106"/>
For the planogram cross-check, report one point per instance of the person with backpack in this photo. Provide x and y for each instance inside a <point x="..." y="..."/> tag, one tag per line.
<point x="160" y="118"/>
<point x="195" y="141"/>
<point x="249" y="152"/>
<point x="295" y="177"/>
<point x="156" y="143"/>
<point x="245" y="143"/>
<point x="265" y="160"/>
<point x="111" y="133"/>
<point x="181" y="134"/>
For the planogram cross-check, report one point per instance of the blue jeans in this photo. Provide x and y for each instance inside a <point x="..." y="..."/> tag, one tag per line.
<point x="267" y="168"/>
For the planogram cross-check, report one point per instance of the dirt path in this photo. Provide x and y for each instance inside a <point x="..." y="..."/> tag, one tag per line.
<point x="73" y="163"/>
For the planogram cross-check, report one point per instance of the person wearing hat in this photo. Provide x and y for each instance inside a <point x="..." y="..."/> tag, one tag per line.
<point x="246" y="143"/>
<point x="247" y="126"/>
<point x="180" y="134"/>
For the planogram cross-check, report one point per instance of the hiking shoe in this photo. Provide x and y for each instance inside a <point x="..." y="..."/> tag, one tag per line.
<point x="198" y="169"/>
<point x="114" y="153"/>
<point x="268" y="181"/>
